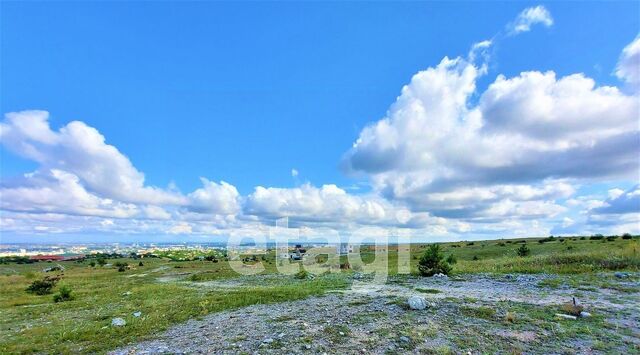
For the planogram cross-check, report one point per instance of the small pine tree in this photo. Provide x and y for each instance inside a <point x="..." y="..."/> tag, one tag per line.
<point x="141" y="264"/>
<point x="63" y="295"/>
<point x="523" y="250"/>
<point x="451" y="259"/>
<point x="432" y="262"/>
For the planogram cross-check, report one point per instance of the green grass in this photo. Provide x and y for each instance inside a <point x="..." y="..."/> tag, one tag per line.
<point x="31" y="324"/>
<point x="167" y="295"/>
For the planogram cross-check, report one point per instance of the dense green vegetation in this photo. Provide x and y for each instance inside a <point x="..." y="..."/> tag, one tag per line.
<point x="92" y="292"/>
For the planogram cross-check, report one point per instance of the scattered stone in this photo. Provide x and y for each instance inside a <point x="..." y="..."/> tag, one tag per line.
<point x="268" y="341"/>
<point x="584" y="314"/>
<point x="57" y="267"/>
<point x="509" y="277"/>
<point x="440" y="276"/>
<point x="341" y="333"/>
<point x="417" y="302"/>
<point x="566" y="316"/>
<point x="621" y="275"/>
<point x="137" y="314"/>
<point x="128" y="293"/>
<point x="405" y="339"/>
<point x="118" y="322"/>
<point x="308" y="347"/>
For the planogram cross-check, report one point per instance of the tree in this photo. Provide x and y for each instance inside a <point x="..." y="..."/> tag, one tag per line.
<point x="432" y="262"/>
<point x="523" y="250"/>
<point x="102" y="261"/>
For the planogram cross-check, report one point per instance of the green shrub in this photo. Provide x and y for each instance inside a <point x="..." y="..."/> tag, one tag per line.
<point x="432" y="262"/>
<point x="451" y="259"/>
<point x="44" y="286"/>
<point x="626" y="236"/>
<point x="92" y="263"/>
<point x="475" y="258"/>
<point x="523" y="250"/>
<point x="102" y="261"/>
<point x="596" y="237"/>
<point x="121" y="266"/>
<point x="301" y="275"/>
<point x="63" y="295"/>
<point x="141" y="264"/>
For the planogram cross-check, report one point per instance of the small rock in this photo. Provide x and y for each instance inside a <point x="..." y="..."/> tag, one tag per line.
<point x="417" y="302"/>
<point x="440" y="275"/>
<point x="404" y="339"/>
<point x="341" y="333"/>
<point x="584" y="314"/>
<point x="137" y="314"/>
<point x="566" y="316"/>
<point x="268" y="341"/>
<point x="128" y="293"/>
<point x="308" y="347"/>
<point x="281" y="335"/>
<point x="621" y="275"/>
<point x="118" y="322"/>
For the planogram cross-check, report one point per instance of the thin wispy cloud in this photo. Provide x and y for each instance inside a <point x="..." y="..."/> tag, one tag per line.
<point x="528" y="18"/>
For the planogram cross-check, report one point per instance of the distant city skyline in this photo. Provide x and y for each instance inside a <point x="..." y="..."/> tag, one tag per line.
<point x="194" y="122"/>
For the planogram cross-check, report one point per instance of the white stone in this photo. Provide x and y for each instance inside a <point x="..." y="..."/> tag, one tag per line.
<point x="417" y="302"/>
<point x="118" y="322"/>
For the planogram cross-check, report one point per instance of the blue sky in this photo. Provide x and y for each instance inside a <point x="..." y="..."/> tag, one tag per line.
<point x="246" y="92"/>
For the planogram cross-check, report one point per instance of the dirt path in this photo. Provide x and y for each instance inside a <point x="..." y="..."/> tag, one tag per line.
<point x="465" y="315"/>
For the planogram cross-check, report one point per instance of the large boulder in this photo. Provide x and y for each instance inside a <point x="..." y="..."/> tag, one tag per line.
<point x="417" y="302"/>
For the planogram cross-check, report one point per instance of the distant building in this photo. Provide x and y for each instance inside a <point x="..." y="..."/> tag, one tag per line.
<point x="344" y="248"/>
<point x="47" y="257"/>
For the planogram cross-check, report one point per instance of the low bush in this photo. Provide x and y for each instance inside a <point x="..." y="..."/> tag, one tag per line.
<point x="627" y="236"/>
<point x="596" y="237"/>
<point x="301" y="275"/>
<point x="64" y="294"/>
<point x="44" y="286"/>
<point x="121" y="266"/>
<point x="523" y="251"/>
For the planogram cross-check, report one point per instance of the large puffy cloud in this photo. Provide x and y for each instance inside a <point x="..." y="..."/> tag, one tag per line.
<point x="310" y="203"/>
<point x="222" y="198"/>
<point x="333" y="207"/>
<point x="79" y="174"/>
<point x="533" y="129"/>
<point x="60" y="192"/>
<point x="82" y="151"/>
